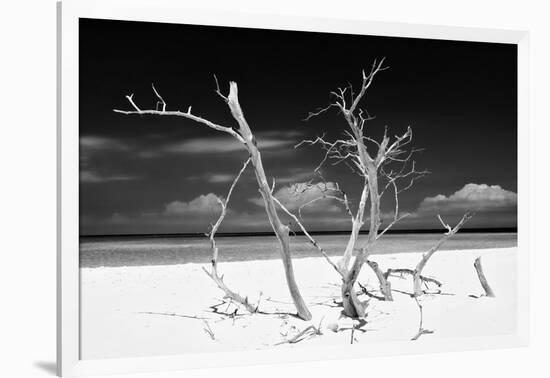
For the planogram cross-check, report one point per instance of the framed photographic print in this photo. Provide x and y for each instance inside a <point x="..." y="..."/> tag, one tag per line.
<point x="238" y="189"/>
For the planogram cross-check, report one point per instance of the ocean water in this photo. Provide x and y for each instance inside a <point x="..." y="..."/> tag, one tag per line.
<point x="143" y="250"/>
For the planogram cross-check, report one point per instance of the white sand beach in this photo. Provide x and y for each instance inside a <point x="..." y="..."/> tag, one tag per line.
<point x="148" y="310"/>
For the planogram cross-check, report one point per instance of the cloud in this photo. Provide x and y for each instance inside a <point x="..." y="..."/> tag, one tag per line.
<point x="269" y="141"/>
<point x="473" y="197"/>
<point x="202" y="205"/>
<point x="101" y="143"/>
<point x="297" y="195"/>
<point x="295" y="175"/>
<point x="95" y="146"/>
<point x="93" y="177"/>
<point x="220" y="178"/>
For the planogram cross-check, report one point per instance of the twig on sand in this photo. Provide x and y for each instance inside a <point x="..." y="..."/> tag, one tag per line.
<point x="424" y="279"/>
<point x="235" y="314"/>
<point x="174" y="314"/>
<point x="369" y="294"/>
<point x="306" y="333"/>
<point x="209" y="331"/>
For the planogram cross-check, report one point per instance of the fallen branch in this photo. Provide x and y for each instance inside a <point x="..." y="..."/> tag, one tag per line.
<point x="308" y="332"/>
<point x="174" y="314"/>
<point x="369" y="294"/>
<point x="209" y="331"/>
<point x="234" y="314"/>
<point x="402" y="271"/>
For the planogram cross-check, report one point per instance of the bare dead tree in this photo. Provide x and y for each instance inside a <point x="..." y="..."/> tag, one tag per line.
<point x="244" y="135"/>
<point x="482" y="279"/>
<point x="382" y="165"/>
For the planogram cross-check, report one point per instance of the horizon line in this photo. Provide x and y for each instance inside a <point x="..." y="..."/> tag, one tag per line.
<point x="300" y="233"/>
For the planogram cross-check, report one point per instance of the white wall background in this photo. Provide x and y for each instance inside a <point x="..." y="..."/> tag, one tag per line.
<point x="27" y="185"/>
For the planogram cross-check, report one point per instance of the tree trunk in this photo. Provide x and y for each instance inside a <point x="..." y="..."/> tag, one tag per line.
<point x="281" y="230"/>
<point x="488" y="291"/>
<point x="356" y="228"/>
<point x="352" y="306"/>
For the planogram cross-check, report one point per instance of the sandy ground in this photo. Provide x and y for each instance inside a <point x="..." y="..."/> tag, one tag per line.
<point x="144" y="311"/>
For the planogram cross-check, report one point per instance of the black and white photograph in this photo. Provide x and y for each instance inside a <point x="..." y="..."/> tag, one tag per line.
<point x="250" y="189"/>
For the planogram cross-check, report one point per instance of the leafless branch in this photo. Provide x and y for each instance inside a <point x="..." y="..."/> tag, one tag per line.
<point x="318" y="112"/>
<point x="449" y="229"/>
<point x="161" y="100"/>
<point x="218" y="91"/>
<point x="422" y="263"/>
<point x="131" y="101"/>
<point x="402" y="271"/>
<point x="367" y="81"/>
<point x="385" y="285"/>
<point x="177" y="113"/>
<point x="421" y="330"/>
<point x="209" y="331"/>
<point x="234" y="296"/>
<point x="306" y="333"/>
<point x="308" y="236"/>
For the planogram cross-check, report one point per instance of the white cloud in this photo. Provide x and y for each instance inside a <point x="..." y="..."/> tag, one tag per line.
<point x="295" y="175"/>
<point x="223" y="144"/>
<point x="297" y="195"/>
<point x="101" y="143"/>
<point x="93" y="177"/>
<point x="203" y="204"/>
<point x="220" y="178"/>
<point x="473" y="197"/>
<point x="118" y="218"/>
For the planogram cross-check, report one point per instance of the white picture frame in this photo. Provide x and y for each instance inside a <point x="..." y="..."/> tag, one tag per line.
<point x="172" y="11"/>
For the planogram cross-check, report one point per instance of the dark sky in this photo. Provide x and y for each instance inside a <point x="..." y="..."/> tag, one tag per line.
<point x="151" y="174"/>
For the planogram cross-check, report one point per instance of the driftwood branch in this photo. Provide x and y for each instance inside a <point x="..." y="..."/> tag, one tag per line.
<point x="213" y="273"/>
<point x="402" y="271"/>
<point x="176" y="113"/>
<point x="306" y="333"/>
<point x="209" y="331"/>
<point x="308" y="236"/>
<point x="417" y="281"/>
<point x="421" y="330"/>
<point x="369" y="294"/>
<point x="484" y="283"/>
<point x="174" y="315"/>
<point x="244" y="135"/>
<point x="385" y="285"/>
<point x="161" y="100"/>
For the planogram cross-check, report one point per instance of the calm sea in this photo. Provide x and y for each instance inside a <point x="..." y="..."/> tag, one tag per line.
<point x="143" y="250"/>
